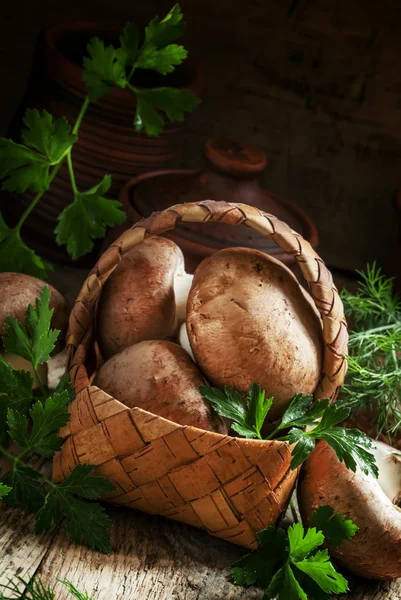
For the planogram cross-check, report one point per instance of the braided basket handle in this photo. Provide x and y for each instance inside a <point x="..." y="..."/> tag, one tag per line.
<point x="315" y="272"/>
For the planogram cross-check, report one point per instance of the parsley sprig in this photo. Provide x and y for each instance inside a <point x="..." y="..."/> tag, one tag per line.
<point x="47" y="143"/>
<point x="320" y="418"/>
<point x="33" y="424"/>
<point x="290" y="564"/>
<point x="374" y="365"/>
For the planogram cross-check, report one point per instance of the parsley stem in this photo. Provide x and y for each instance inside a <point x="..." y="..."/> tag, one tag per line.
<point x="81" y="115"/>
<point x="39" y="382"/>
<point x="15" y="459"/>
<point x="132" y="88"/>
<point x="36" y="199"/>
<point x="273" y="433"/>
<point x="72" y="175"/>
<point x="293" y="510"/>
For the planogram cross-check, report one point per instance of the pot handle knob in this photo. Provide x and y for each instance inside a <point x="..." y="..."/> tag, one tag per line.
<point x="235" y="159"/>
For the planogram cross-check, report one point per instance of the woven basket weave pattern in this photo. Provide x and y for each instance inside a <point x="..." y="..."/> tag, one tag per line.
<point x="232" y="487"/>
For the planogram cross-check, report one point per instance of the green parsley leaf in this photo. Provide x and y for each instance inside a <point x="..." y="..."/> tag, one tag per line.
<point x="102" y="69"/>
<point x="248" y="417"/>
<point x="351" y="447"/>
<point x="85" y="522"/>
<point x="258" y="566"/>
<point x="321" y="570"/>
<point x="18" y="425"/>
<point x="302" y="543"/>
<point x="46" y="144"/>
<point x="46" y="419"/>
<point x="87" y="218"/>
<point x="303" y="411"/>
<point x="288" y="565"/>
<point x="33" y="340"/>
<point x="159" y="33"/>
<point x="16" y="256"/>
<point x="4" y="490"/>
<point x="163" y="60"/>
<point x="16" y="389"/>
<point x="129" y="40"/>
<point x="304" y="446"/>
<point x="64" y="385"/>
<point x="27" y="490"/>
<point x="229" y="404"/>
<point x="284" y="586"/>
<point x="173" y="102"/>
<point x="258" y="407"/>
<point x="336" y="528"/>
<point x="82" y="483"/>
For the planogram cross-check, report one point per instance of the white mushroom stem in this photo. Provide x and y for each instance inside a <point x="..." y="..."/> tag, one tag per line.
<point x="182" y="285"/>
<point x="19" y="363"/>
<point x="184" y="340"/>
<point x="388" y="461"/>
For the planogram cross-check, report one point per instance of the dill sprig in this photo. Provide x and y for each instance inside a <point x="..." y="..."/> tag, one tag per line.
<point x="35" y="589"/>
<point x="374" y="362"/>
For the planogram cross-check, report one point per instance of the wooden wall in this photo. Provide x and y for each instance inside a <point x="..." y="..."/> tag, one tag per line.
<point x="315" y="83"/>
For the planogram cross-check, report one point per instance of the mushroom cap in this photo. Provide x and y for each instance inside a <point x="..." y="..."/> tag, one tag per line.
<point x="160" y="377"/>
<point x="249" y="320"/>
<point x="375" y="550"/>
<point x="18" y="290"/>
<point x="138" y="301"/>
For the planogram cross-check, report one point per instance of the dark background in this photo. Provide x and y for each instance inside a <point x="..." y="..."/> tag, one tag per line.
<point x="315" y="83"/>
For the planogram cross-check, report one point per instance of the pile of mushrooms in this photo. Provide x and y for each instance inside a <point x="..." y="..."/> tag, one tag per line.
<point x="241" y="318"/>
<point x="17" y="292"/>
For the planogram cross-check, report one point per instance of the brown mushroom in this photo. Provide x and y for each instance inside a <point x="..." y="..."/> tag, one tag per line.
<point x="375" y="550"/>
<point x="249" y="320"/>
<point x="17" y="291"/>
<point x="161" y="378"/>
<point x="144" y="298"/>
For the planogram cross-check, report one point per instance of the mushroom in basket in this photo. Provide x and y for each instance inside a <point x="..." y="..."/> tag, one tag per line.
<point x="248" y="320"/>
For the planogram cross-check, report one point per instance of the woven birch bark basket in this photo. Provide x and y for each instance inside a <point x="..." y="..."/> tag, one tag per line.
<point x="231" y="487"/>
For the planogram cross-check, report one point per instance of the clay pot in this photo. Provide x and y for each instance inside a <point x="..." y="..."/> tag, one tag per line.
<point x="230" y="174"/>
<point x="107" y="142"/>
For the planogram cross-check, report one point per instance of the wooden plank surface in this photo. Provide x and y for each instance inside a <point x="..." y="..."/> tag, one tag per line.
<point x="152" y="559"/>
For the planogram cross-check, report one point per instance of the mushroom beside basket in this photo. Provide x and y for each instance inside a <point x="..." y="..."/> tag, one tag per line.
<point x="230" y="486"/>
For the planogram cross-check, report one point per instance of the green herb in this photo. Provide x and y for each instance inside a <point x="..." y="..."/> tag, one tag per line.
<point x="87" y="218"/>
<point x="248" y="418"/>
<point x="374" y="364"/>
<point x="48" y="143"/>
<point x="350" y="445"/>
<point x="35" y="589"/>
<point x="33" y="424"/>
<point x="16" y="256"/>
<point x="336" y="528"/>
<point x="33" y="340"/>
<point x="4" y="490"/>
<point x="289" y="565"/>
<point x="173" y="102"/>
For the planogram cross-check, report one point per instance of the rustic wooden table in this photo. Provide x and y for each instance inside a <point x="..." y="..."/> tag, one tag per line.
<point x="152" y="558"/>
